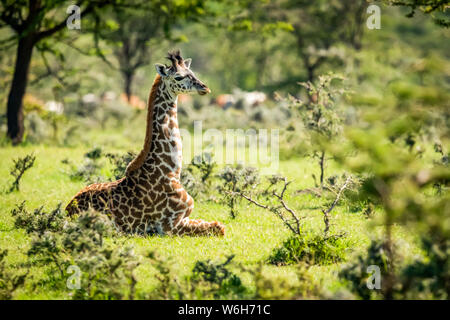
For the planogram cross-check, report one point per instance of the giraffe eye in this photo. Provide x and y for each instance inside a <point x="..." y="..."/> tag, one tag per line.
<point x="179" y="78"/>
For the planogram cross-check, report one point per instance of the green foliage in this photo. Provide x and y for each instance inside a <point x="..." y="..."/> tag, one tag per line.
<point x="197" y="177"/>
<point x="94" y="154"/>
<point x="322" y="117"/>
<point x="133" y="33"/>
<point x="108" y="274"/>
<point x="216" y="280"/>
<point x="207" y="280"/>
<point x="356" y="272"/>
<point x="321" y="114"/>
<point x="390" y="146"/>
<point x="191" y="184"/>
<point x="92" y="169"/>
<point x="168" y="285"/>
<point x="304" y="287"/>
<point x="10" y="281"/>
<point x="420" y="279"/>
<point x="38" y="221"/>
<point x="319" y="30"/>
<point x="205" y="165"/>
<point x="428" y="278"/>
<point x="89" y="171"/>
<point x="120" y="163"/>
<point x="36" y="26"/>
<point x="311" y="249"/>
<point x="427" y="7"/>
<point x="21" y="165"/>
<point x="106" y="271"/>
<point x="235" y="180"/>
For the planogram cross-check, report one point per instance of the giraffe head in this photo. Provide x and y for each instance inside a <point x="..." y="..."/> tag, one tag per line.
<point x="178" y="77"/>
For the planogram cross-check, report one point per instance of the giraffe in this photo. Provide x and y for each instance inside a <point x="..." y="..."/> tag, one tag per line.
<point x="150" y="199"/>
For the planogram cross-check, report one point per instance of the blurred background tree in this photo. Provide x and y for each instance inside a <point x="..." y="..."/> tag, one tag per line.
<point x="438" y="9"/>
<point x="132" y="33"/>
<point x="34" y="22"/>
<point x="320" y="26"/>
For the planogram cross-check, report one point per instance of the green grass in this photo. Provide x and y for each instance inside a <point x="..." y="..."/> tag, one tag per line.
<point x="251" y="237"/>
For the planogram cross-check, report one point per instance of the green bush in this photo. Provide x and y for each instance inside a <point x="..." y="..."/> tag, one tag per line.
<point x="10" y="281"/>
<point x="314" y="249"/>
<point x="89" y="171"/>
<point x="234" y="180"/>
<point x="197" y="177"/>
<point x="38" y="221"/>
<point x="106" y="270"/>
<point x="428" y="278"/>
<point x="356" y="274"/>
<point x="216" y="280"/>
<point x="120" y="163"/>
<point x="267" y="287"/>
<point x="207" y="280"/>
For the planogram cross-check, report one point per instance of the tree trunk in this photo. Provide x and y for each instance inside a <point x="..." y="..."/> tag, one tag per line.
<point x="18" y="87"/>
<point x="128" y="79"/>
<point x="322" y="168"/>
<point x="310" y="69"/>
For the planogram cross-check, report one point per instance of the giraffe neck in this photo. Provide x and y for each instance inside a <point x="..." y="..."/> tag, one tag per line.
<point x="166" y="148"/>
<point x="162" y="146"/>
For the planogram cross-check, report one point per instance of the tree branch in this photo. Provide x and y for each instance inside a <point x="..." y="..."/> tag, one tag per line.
<point x="326" y="213"/>
<point x="293" y="226"/>
<point x="7" y="17"/>
<point x="58" y="27"/>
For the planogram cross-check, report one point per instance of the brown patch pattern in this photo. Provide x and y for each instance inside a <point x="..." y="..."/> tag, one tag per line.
<point x="150" y="198"/>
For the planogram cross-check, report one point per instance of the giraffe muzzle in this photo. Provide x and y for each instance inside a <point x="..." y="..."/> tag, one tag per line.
<point x="203" y="89"/>
<point x="202" y="92"/>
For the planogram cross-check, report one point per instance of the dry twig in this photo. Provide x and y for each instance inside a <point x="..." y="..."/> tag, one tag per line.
<point x="293" y="223"/>
<point x="326" y="212"/>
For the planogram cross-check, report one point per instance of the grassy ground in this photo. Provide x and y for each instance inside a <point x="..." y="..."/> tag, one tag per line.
<point x="251" y="237"/>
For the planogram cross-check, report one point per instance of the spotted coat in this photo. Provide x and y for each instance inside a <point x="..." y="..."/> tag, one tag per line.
<point x="150" y="198"/>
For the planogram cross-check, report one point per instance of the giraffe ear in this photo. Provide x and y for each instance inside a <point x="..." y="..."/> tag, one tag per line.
<point x="161" y="69"/>
<point x="187" y="62"/>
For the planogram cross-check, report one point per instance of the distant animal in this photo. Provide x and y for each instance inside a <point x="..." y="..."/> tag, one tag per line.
<point x="254" y="98"/>
<point x="134" y="101"/>
<point x="54" y="106"/>
<point x="240" y="99"/>
<point x="225" y="100"/>
<point x="150" y="198"/>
